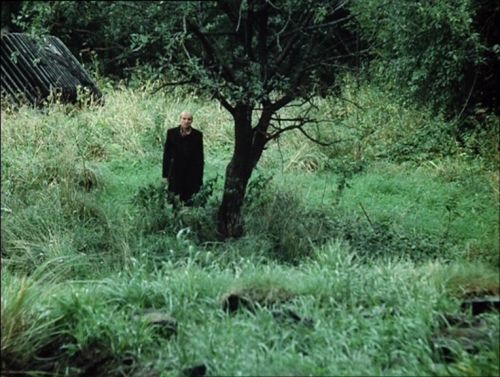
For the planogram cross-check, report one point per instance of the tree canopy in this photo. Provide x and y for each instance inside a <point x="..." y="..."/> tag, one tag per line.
<point x="443" y="53"/>
<point x="440" y="53"/>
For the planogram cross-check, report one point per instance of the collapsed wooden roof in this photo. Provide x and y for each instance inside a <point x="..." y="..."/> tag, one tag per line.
<point x="32" y="70"/>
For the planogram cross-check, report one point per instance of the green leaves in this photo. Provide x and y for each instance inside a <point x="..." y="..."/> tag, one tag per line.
<point x="424" y="48"/>
<point x="240" y="51"/>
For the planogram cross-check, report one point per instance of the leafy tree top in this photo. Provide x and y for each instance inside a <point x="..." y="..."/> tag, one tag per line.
<point x="248" y="51"/>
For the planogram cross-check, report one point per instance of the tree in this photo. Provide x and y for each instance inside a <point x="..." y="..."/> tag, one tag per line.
<point x="254" y="56"/>
<point x="257" y="57"/>
<point x="440" y="53"/>
<point x="96" y="31"/>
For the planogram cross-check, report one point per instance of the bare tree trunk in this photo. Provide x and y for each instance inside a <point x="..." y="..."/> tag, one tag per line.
<point x="238" y="172"/>
<point x="230" y="219"/>
<point x="249" y="144"/>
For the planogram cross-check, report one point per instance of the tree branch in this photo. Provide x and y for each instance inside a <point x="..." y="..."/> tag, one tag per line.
<point x="283" y="101"/>
<point x="299" y="127"/>
<point x="328" y="24"/>
<point x="225" y="103"/>
<point x="164" y="85"/>
<point x="263" y="17"/>
<point x="208" y="48"/>
<point x="322" y="143"/>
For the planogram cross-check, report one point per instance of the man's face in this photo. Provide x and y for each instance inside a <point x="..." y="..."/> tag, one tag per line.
<point x="186" y="120"/>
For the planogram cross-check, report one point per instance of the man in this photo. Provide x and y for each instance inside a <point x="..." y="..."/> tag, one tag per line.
<point x="183" y="159"/>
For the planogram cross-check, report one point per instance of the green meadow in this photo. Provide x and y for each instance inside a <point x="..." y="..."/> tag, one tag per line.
<point x="355" y="257"/>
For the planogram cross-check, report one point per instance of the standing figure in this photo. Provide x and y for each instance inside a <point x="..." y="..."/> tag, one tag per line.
<point x="183" y="159"/>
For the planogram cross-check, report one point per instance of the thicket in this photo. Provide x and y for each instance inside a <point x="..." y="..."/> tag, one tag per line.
<point x="440" y="53"/>
<point x="436" y="53"/>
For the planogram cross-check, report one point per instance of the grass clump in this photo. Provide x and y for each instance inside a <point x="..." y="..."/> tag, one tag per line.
<point x="24" y="333"/>
<point x="470" y="279"/>
<point x="64" y="329"/>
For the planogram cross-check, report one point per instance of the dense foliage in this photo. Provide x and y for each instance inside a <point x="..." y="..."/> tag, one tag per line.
<point x="126" y="36"/>
<point x="437" y="52"/>
<point x="444" y="53"/>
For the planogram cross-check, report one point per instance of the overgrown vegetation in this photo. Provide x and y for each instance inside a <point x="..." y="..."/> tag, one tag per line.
<point x="353" y="252"/>
<point x="249" y="56"/>
<point x="362" y="254"/>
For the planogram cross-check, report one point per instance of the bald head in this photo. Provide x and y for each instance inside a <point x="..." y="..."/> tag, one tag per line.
<point x="186" y="119"/>
<point x="186" y="114"/>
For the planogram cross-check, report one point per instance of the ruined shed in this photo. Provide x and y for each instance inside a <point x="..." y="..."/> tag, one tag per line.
<point x="33" y="69"/>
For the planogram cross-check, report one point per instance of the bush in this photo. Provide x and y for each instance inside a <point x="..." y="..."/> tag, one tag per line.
<point x="374" y="124"/>
<point x="161" y="212"/>
<point x="291" y="229"/>
<point x="423" y="50"/>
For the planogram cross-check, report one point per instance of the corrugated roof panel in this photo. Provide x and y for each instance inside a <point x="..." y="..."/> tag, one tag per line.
<point x="34" y="69"/>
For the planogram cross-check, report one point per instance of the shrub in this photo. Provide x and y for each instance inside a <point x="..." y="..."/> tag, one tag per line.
<point x="161" y="212"/>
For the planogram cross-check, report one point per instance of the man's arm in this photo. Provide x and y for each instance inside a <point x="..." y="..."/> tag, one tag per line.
<point x="167" y="156"/>
<point x="198" y="160"/>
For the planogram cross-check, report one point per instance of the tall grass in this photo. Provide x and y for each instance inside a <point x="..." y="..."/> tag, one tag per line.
<point x="25" y="328"/>
<point x="370" y="241"/>
<point x="361" y="319"/>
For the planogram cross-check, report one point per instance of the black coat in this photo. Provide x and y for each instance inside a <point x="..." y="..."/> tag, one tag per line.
<point x="183" y="162"/>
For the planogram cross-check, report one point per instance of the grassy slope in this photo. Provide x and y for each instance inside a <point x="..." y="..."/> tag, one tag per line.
<point x="75" y="259"/>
